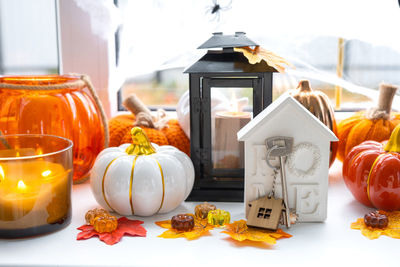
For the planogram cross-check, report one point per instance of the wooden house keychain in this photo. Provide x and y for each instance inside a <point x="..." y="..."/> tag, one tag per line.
<point x="266" y="212"/>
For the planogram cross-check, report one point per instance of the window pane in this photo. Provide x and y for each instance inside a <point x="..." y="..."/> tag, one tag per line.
<point x="159" y="39"/>
<point x="158" y="89"/>
<point x="28" y="37"/>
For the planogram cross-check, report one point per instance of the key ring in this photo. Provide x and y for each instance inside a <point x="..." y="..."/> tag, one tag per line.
<point x="267" y="157"/>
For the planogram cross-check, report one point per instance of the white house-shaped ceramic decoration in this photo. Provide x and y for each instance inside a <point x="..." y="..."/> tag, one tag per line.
<point x="307" y="166"/>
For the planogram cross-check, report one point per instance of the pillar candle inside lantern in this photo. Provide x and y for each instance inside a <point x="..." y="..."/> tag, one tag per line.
<point x="228" y="153"/>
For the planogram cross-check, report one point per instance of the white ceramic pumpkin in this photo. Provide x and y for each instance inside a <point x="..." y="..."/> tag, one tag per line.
<point x="141" y="178"/>
<point x="219" y="102"/>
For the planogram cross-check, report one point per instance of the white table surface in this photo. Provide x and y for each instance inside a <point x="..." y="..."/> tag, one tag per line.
<point x="313" y="244"/>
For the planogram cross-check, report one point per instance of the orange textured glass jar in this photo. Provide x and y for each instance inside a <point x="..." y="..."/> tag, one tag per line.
<point x="64" y="105"/>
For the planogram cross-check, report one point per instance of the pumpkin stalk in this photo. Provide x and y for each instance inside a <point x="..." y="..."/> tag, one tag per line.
<point x="384" y="107"/>
<point x="304" y="86"/>
<point x="140" y="143"/>
<point x="143" y="114"/>
<point x="393" y="145"/>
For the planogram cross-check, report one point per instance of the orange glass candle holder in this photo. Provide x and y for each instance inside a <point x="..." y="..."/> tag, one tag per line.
<point x="35" y="184"/>
<point x="64" y="105"/>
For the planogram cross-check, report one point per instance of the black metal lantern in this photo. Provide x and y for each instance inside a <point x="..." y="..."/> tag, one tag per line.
<point x="221" y="70"/>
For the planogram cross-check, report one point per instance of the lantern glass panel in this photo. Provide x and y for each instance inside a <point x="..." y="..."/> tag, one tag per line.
<point x="232" y="110"/>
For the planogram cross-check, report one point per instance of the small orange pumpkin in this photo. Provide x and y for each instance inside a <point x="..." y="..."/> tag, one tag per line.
<point x="159" y="131"/>
<point x="319" y="105"/>
<point x="374" y="124"/>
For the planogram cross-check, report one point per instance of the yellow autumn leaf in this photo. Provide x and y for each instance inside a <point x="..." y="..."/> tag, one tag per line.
<point x="201" y="228"/>
<point x="239" y="231"/>
<point x="258" y="54"/>
<point x="392" y="230"/>
<point x="164" y="224"/>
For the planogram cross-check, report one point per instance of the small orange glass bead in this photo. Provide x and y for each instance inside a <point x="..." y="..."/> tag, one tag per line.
<point x="105" y="223"/>
<point x="182" y="222"/>
<point x="376" y="220"/>
<point x="201" y="210"/>
<point x="93" y="213"/>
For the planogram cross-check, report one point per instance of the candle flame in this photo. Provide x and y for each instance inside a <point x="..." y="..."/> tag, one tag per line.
<point x="17" y="154"/>
<point x="39" y="151"/>
<point x="21" y="185"/>
<point x="234" y="103"/>
<point x="1" y="174"/>
<point x="46" y="173"/>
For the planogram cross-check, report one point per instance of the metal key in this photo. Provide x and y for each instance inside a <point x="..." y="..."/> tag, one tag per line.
<point x="281" y="146"/>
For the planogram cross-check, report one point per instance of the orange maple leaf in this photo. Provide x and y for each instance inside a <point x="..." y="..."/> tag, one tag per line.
<point x="239" y="231"/>
<point x="258" y="54"/>
<point x="392" y="230"/>
<point x="201" y="228"/>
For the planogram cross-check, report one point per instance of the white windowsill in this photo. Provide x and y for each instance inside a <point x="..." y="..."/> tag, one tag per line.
<point x="312" y="244"/>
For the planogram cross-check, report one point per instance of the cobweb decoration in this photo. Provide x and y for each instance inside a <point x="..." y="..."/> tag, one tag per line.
<point x="105" y="17"/>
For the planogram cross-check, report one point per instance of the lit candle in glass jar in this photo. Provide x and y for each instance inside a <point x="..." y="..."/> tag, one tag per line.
<point x="35" y="189"/>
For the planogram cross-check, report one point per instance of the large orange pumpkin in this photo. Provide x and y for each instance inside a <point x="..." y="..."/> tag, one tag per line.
<point x="374" y="124"/>
<point x="371" y="171"/>
<point x="160" y="132"/>
<point x="319" y="105"/>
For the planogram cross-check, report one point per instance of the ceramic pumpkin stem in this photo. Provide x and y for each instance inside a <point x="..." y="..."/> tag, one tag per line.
<point x="304" y="86"/>
<point x="140" y="143"/>
<point x="394" y="142"/>
<point x="384" y="107"/>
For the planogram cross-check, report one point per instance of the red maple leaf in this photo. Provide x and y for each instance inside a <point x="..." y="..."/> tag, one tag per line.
<point x="125" y="227"/>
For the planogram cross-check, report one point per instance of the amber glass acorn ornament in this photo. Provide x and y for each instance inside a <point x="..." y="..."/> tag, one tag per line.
<point x="319" y="105"/>
<point x="373" y="124"/>
<point x="65" y="105"/>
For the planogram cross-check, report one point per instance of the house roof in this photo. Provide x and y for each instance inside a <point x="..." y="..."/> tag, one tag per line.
<point x="262" y="199"/>
<point x="276" y="107"/>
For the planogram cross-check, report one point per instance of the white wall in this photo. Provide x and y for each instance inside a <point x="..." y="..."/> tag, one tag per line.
<point x="85" y="52"/>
